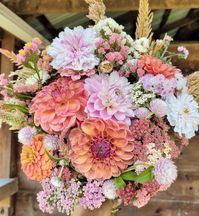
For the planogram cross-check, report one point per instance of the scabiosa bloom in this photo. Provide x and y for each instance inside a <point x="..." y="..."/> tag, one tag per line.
<point x="100" y="149"/>
<point x="152" y="65"/>
<point x="183" y="114"/>
<point x="74" y="50"/>
<point x="142" y="112"/>
<point x="34" y="161"/>
<point x="51" y="142"/>
<point x="26" y="134"/>
<point x="165" y="171"/>
<point x="109" y="189"/>
<point x="109" y="97"/>
<point x="92" y="195"/>
<point x="158" y="107"/>
<point x="57" y="103"/>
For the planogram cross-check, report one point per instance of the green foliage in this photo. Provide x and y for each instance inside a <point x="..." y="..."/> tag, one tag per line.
<point x="145" y="176"/>
<point x="119" y="182"/>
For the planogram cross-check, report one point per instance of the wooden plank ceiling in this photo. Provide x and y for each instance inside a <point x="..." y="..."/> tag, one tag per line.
<point x="57" y="6"/>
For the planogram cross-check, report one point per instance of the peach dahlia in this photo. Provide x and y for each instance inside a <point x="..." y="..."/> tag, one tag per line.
<point x="100" y="149"/>
<point x="155" y="66"/>
<point x="57" y="103"/>
<point x="34" y="161"/>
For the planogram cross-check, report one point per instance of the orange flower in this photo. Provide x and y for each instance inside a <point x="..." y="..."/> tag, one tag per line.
<point x="155" y="66"/>
<point x="34" y="160"/>
<point x="101" y="149"/>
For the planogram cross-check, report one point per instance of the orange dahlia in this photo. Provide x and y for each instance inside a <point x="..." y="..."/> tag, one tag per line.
<point x="155" y="66"/>
<point x="34" y="161"/>
<point x="100" y="149"/>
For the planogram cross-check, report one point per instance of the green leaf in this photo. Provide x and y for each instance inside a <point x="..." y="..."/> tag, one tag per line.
<point x="129" y="169"/>
<point x="129" y="176"/>
<point x="119" y="182"/>
<point x="145" y="176"/>
<point x="12" y="107"/>
<point x="53" y="157"/>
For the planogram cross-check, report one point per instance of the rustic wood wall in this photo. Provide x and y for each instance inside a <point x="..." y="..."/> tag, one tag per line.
<point x="182" y="199"/>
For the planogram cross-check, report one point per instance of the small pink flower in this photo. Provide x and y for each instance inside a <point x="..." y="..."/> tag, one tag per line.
<point x="106" y="67"/>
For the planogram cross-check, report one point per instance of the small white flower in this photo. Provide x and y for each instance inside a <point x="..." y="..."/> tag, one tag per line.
<point x="56" y="181"/>
<point x="44" y="76"/>
<point x="181" y="82"/>
<point x="109" y="190"/>
<point x="140" y="46"/>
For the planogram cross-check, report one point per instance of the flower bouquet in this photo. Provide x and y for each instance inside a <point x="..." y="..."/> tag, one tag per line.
<point x="101" y="116"/>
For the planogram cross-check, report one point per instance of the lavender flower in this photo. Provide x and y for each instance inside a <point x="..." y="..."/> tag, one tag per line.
<point x="69" y="197"/>
<point x="26" y="134"/>
<point x="159" y="84"/>
<point x="165" y="171"/>
<point x="184" y="51"/>
<point x="64" y="198"/>
<point x="92" y="195"/>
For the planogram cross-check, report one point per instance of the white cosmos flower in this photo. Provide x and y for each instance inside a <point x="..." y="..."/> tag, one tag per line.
<point x="183" y="114"/>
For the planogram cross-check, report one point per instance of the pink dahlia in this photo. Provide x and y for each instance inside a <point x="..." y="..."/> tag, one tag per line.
<point x="57" y="103"/>
<point x="100" y="149"/>
<point x="74" y="50"/>
<point x="109" y="97"/>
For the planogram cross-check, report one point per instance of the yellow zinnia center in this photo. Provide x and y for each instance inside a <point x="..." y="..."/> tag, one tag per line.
<point x="27" y="155"/>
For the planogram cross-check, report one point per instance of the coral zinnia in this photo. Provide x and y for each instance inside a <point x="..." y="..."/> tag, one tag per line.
<point x="56" y="103"/>
<point x="34" y="161"/>
<point x="101" y="149"/>
<point x="154" y="66"/>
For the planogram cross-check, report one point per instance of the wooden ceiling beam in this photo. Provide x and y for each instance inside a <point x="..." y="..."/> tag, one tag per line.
<point x="27" y="7"/>
<point x="15" y="25"/>
<point x="178" y="24"/>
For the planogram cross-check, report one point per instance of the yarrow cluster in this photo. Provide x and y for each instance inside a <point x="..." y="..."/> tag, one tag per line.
<point x="100" y="116"/>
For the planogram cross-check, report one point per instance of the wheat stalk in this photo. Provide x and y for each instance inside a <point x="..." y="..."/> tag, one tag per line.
<point x="8" y="54"/>
<point x="96" y="10"/>
<point x="144" y="21"/>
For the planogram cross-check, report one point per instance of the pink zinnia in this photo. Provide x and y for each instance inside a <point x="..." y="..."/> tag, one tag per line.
<point x="109" y="97"/>
<point x="57" y="103"/>
<point x="74" y="50"/>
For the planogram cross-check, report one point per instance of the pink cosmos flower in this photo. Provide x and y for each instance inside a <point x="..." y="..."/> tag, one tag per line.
<point x="109" y="97"/>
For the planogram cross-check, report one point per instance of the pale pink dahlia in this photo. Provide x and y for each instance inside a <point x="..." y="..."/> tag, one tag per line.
<point x="57" y="103"/>
<point x="74" y="50"/>
<point x="109" y="97"/>
<point x="100" y="149"/>
<point x="165" y="171"/>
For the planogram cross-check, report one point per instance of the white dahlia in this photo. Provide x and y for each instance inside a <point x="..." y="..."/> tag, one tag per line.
<point x="183" y="114"/>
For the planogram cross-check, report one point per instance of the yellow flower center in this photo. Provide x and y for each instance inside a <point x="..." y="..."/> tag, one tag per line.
<point x="186" y="110"/>
<point x="28" y="155"/>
